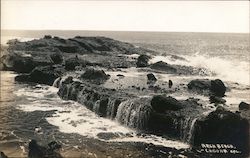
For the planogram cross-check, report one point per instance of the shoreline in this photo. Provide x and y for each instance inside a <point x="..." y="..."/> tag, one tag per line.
<point x="86" y="87"/>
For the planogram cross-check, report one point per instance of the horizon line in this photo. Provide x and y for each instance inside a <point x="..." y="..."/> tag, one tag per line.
<point x="151" y="31"/>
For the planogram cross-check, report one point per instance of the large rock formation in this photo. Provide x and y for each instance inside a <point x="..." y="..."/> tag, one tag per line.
<point x="22" y="63"/>
<point x="159" y="115"/>
<point x="161" y="104"/>
<point x="57" y="58"/>
<point x="244" y="106"/>
<point x="151" y="77"/>
<point x="93" y="74"/>
<point x="178" y="69"/>
<point x="205" y="86"/>
<point x="81" y="45"/>
<point x="42" y="75"/>
<point x="38" y="151"/>
<point x="222" y="127"/>
<point x="142" y="61"/>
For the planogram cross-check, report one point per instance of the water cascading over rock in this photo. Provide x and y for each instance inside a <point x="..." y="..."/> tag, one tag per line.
<point x="161" y="115"/>
<point x="135" y="113"/>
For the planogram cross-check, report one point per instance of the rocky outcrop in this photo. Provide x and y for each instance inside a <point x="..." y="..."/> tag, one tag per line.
<point x="42" y="75"/>
<point x="244" y="106"/>
<point x="161" y="104"/>
<point x="22" y="63"/>
<point x="205" y="86"/>
<point x="72" y="62"/>
<point x="222" y="127"/>
<point x="162" y="66"/>
<point x="38" y="151"/>
<point x="57" y="58"/>
<point x="142" y="61"/>
<point x="159" y="115"/>
<point x="23" y="57"/>
<point x="94" y="74"/>
<point x="2" y="155"/>
<point x="80" y="45"/>
<point x="151" y="77"/>
<point x="217" y="88"/>
<point x="178" y="69"/>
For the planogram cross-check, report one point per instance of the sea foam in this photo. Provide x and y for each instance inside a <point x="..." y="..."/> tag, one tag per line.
<point x="225" y="69"/>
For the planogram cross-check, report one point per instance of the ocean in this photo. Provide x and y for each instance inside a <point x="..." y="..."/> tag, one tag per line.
<point x="36" y="112"/>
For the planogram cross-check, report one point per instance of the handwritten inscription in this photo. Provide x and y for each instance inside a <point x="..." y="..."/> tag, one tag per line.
<point x="219" y="148"/>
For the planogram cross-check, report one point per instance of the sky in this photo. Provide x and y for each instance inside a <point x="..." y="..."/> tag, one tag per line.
<point x="177" y="16"/>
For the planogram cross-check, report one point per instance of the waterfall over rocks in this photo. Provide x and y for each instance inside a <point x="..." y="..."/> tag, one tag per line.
<point x="135" y="113"/>
<point x="57" y="82"/>
<point x="159" y="115"/>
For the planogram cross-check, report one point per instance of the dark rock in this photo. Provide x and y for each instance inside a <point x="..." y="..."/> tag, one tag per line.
<point x="103" y="107"/>
<point x="213" y="87"/>
<point x="23" y="78"/>
<point x="38" y="151"/>
<point x="57" y="58"/>
<point x="71" y="63"/>
<point x="46" y="74"/>
<point x="2" y="155"/>
<point x="175" y="57"/>
<point x="35" y="150"/>
<point x="68" y="80"/>
<point x="142" y="61"/>
<point x="47" y="37"/>
<point x="120" y="75"/>
<point x="244" y="106"/>
<point x="222" y="127"/>
<point x="54" y="146"/>
<point x="170" y="84"/>
<point x="199" y="85"/>
<point x="151" y="77"/>
<point x="21" y="63"/>
<point x="68" y="49"/>
<point x="216" y="100"/>
<point x="17" y="63"/>
<point x="218" y="88"/>
<point x="108" y="136"/>
<point x="93" y="74"/>
<point x="77" y="44"/>
<point x="161" y="103"/>
<point x="179" y="69"/>
<point x="42" y="75"/>
<point x="162" y="66"/>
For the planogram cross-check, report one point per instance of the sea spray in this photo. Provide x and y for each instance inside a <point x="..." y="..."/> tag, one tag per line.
<point x="218" y="67"/>
<point x="57" y="82"/>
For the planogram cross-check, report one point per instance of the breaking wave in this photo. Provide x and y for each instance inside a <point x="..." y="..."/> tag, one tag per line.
<point x="225" y="69"/>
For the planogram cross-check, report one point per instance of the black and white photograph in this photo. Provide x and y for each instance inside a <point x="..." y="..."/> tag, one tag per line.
<point x="125" y="79"/>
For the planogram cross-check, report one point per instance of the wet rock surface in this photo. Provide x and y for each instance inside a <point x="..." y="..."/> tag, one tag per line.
<point x="142" y="61"/>
<point x="223" y="127"/>
<point x="244" y="106"/>
<point x="178" y="69"/>
<point x="38" y="151"/>
<point x="42" y="75"/>
<point x="93" y="74"/>
<point x="151" y="77"/>
<point x="208" y="87"/>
